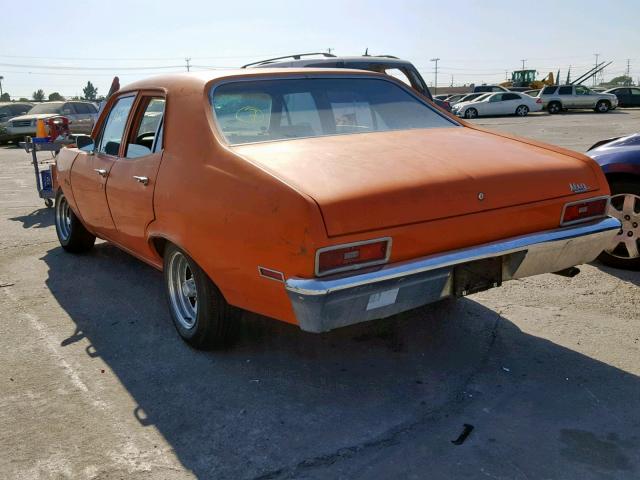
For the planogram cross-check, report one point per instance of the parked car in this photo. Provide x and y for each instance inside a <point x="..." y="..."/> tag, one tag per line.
<point x="403" y="70"/>
<point x="468" y="97"/>
<point x="8" y="110"/>
<point x="489" y="88"/>
<point x="620" y="161"/>
<point x="532" y="93"/>
<point x="627" y="96"/>
<point x="556" y="98"/>
<point x="82" y="116"/>
<point x="319" y="198"/>
<point x="510" y="103"/>
<point x="443" y="96"/>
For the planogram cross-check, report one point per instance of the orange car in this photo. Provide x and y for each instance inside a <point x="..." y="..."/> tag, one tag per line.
<point x="320" y="197"/>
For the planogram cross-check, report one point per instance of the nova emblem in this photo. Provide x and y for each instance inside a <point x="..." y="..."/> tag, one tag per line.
<point x="578" y="187"/>
<point x="481" y="196"/>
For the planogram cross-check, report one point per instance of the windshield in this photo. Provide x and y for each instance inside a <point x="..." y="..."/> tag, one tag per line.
<point x="263" y="110"/>
<point x="47" y="108"/>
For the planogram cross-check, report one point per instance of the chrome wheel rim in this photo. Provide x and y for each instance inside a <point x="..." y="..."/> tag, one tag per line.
<point x="63" y="218"/>
<point x="626" y="208"/>
<point x="554" y="108"/>
<point x="521" y="111"/>
<point x="183" y="294"/>
<point x="471" y="113"/>
<point x="603" y="107"/>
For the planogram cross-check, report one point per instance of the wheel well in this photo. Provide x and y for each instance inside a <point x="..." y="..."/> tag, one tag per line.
<point x="159" y="244"/>
<point x="622" y="177"/>
<point x="604" y="100"/>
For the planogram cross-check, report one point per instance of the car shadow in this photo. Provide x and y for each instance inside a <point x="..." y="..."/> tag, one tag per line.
<point x="40" y="218"/>
<point x="630" y="276"/>
<point x="285" y="404"/>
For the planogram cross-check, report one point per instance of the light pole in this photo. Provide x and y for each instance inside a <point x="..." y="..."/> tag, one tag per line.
<point x="1" y="78"/>
<point x="594" y="75"/>
<point x="435" y="86"/>
<point x="523" y="60"/>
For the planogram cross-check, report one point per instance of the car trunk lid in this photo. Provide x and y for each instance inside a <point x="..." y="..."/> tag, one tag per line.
<point x="370" y="181"/>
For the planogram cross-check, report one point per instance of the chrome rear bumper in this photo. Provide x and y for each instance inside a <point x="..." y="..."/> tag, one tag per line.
<point x="322" y="304"/>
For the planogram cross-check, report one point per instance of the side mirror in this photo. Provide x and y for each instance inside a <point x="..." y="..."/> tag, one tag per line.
<point x="85" y="143"/>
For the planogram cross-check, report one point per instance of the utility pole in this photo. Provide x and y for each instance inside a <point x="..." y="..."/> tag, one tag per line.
<point x="1" y="78"/>
<point x="452" y="79"/>
<point x="594" y="75"/>
<point x="523" y="61"/>
<point x="188" y="65"/>
<point x="435" y="86"/>
<point x="329" y="50"/>
<point x="627" y="82"/>
<point x="506" y="75"/>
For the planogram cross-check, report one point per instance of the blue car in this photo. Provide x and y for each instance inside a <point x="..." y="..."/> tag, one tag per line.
<point x="620" y="161"/>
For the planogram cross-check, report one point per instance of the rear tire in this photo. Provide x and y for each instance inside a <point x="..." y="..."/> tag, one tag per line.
<point x="72" y="234"/>
<point x="200" y="313"/>
<point x="554" y="107"/>
<point x="471" y="113"/>
<point x="625" y="253"/>
<point x="522" y="111"/>
<point x="602" y="106"/>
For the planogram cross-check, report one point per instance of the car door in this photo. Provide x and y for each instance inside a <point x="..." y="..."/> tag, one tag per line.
<point x="509" y="103"/>
<point x="492" y="106"/>
<point x="634" y="97"/>
<point x="585" y="98"/>
<point x="566" y="96"/>
<point x="623" y="95"/>
<point x="93" y="164"/>
<point x="133" y="175"/>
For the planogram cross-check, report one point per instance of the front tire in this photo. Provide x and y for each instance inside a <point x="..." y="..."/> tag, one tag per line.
<point x="201" y="315"/>
<point x="602" y="106"/>
<point x="471" y="113"/>
<point x="72" y="234"/>
<point x="625" y="206"/>
<point x="554" y="107"/>
<point x="522" y="111"/>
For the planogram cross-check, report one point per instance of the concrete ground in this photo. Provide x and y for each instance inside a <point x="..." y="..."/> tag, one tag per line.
<point x="96" y="384"/>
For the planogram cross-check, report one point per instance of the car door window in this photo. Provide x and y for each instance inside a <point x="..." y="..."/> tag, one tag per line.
<point x="496" y="98"/>
<point x="5" y="114"/>
<point x="510" y="96"/>
<point x="67" y="109"/>
<point x="565" y="90"/>
<point x="635" y="91"/>
<point x="580" y="90"/>
<point x="20" y="109"/>
<point x="114" y="127"/>
<point x="146" y="131"/>
<point x="82" y="108"/>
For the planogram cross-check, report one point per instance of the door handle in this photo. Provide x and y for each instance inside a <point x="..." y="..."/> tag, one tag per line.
<point x="100" y="171"/>
<point x="142" y="180"/>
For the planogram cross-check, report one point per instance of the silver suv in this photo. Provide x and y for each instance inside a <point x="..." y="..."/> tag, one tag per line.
<point x="82" y="116"/>
<point x="8" y="110"/>
<point x="556" y="98"/>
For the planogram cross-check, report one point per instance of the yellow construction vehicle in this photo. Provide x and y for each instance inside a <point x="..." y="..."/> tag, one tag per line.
<point x="527" y="79"/>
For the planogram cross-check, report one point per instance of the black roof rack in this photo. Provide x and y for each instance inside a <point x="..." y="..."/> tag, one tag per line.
<point x="295" y="57"/>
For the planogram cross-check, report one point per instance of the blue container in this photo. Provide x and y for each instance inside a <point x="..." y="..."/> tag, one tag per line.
<point x="45" y="176"/>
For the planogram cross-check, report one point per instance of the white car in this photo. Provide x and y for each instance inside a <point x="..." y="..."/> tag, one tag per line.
<point x="502" y="103"/>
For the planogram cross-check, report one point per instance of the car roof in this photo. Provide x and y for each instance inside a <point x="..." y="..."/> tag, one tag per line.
<point x="198" y="80"/>
<point x="2" y="104"/>
<point x="363" y="59"/>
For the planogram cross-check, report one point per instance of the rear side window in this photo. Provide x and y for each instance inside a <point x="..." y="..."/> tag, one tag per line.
<point x="82" y="108"/>
<point x="149" y="119"/>
<point x="19" y="109"/>
<point x="565" y="90"/>
<point x="510" y="96"/>
<point x="114" y="126"/>
<point x="548" y="90"/>
<point x="264" y="110"/>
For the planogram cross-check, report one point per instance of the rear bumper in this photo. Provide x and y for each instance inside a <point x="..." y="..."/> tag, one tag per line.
<point x="322" y="304"/>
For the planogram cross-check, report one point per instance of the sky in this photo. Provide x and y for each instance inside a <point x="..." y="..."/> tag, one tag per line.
<point x="476" y="41"/>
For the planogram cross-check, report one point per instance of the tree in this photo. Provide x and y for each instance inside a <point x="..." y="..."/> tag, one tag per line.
<point x="5" y="97"/>
<point x="22" y="99"/>
<point x="621" y="80"/>
<point x="39" y="95"/>
<point x="90" y="91"/>
<point x="55" y="96"/>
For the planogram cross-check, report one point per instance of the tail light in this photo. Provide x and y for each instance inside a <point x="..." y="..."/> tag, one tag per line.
<point x="351" y="256"/>
<point x="583" y="210"/>
<point x="539" y="100"/>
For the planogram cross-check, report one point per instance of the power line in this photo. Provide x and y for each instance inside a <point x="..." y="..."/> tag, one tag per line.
<point x="69" y="67"/>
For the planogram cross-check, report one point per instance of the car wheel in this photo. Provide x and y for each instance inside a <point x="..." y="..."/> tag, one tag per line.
<point x="201" y="315"/>
<point x="625" y="206"/>
<point x="72" y="234"/>
<point x="554" y="107"/>
<point x="602" y="106"/>
<point x="470" y="113"/>
<point x="522" y="111"/>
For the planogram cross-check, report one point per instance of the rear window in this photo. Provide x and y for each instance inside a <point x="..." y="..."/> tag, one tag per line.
<point x="264" y="110"/>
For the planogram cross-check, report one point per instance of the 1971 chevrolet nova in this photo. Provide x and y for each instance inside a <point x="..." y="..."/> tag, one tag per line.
<point x="320" y="197"/>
